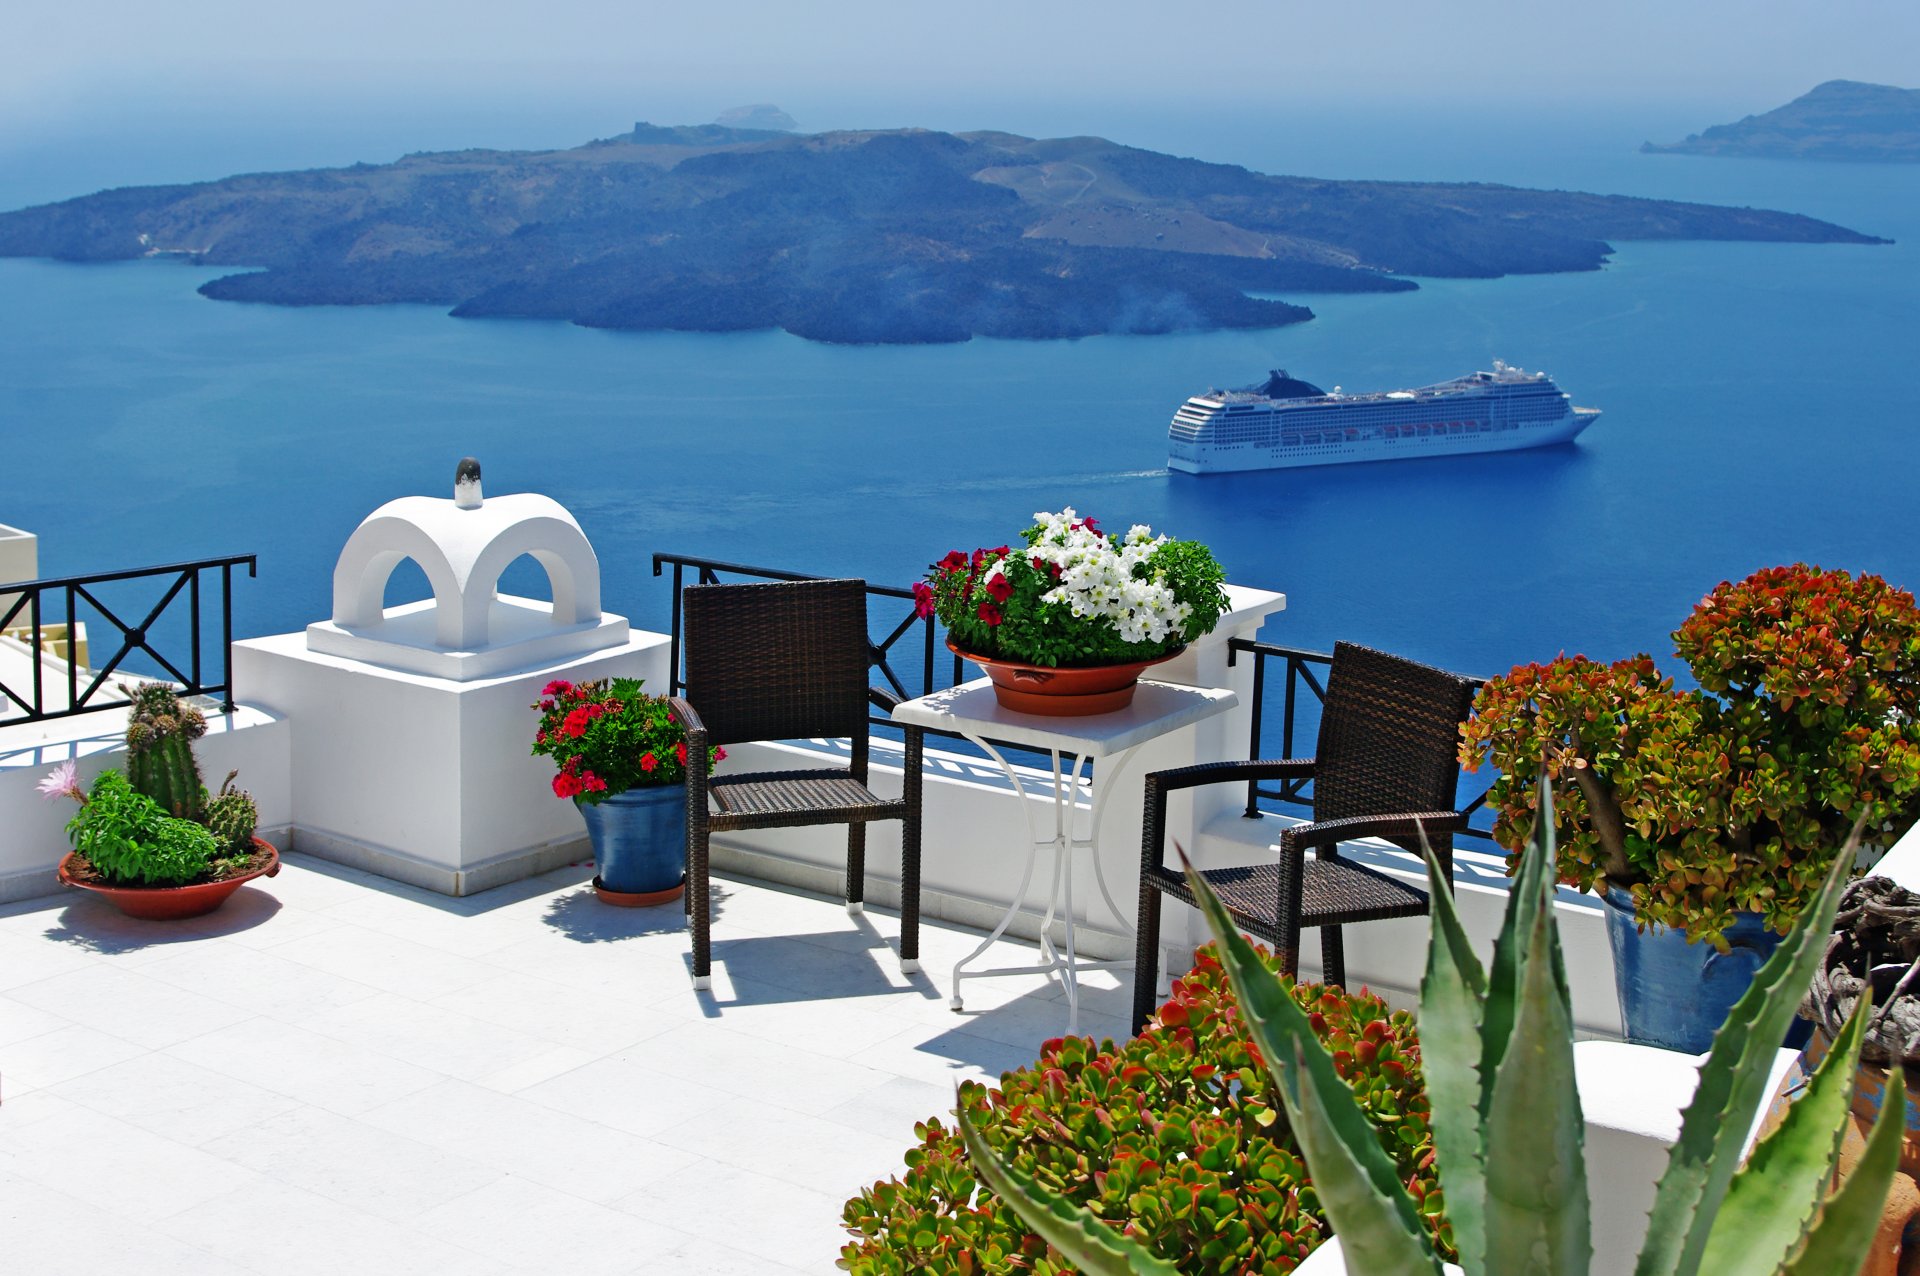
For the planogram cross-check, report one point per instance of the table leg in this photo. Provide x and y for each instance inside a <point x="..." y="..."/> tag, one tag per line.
<point x="1026" y="878"/>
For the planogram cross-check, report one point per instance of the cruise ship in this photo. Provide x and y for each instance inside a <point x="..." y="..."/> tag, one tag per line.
<point x="1285" y="423"/>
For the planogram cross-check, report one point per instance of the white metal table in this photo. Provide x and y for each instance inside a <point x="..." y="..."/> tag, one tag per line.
<point x="1074" y="744"/>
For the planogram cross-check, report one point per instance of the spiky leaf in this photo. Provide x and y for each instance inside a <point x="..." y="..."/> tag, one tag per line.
<point x="1453" y="997"/>
<point x="1848" y="1227"/>
<point x="1536" y="1175"/>
<point x="1357" y="1185"/>
<point x="1503" y="983"/>
<point x="1088" y="1243"/>
<point x="1773" y="1199"/>
<point x="1732" y="1084"/>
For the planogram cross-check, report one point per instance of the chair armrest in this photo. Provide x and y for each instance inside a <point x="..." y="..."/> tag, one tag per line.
<point x="688" y="716"/>
<point x="698" y="763"/>
<point x="881" y="698"/>
<point x="1403" y="826"/>
<point x="1188" y="777"/>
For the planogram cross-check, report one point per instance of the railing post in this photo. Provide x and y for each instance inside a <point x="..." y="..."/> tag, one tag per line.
<point x="226" y="629"/>
<point x="39" y="645"/>
<point x="1253" y="739"/>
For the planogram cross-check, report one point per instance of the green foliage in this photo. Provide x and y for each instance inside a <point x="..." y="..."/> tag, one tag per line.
<point x="161" y="729"/>
<point x="1177" y="1136"/>
<point x="608" y="737"/>
<point x="1073" y="596"/>
<point x="1733" y="797"/>
<point x="130" y="841"/>
<point x="231" y="817"/>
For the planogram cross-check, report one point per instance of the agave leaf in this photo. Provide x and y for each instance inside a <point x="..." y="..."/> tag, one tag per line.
<point x="1733" y="1081"/>
<point x="1848" y="1227"/>
<point x="1088" y="1243"/>
<point x="1503" y="985"/>
<point x="1357" y="1185"/>
<point x="1536" y="1168"/>
<point x="1774" y="1196"/>
<point x="1453" y="996"/>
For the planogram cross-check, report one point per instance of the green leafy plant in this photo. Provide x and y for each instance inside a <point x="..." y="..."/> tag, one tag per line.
<point x="1177" y="1136"/>
<point x="608" y="737"/>
<point x="130" y="841"/>
<point x="1735" y="796"/>
<point x="1074" y="596"/>
<point x="161" y="729"/>
<point x="1498" y="1048"/>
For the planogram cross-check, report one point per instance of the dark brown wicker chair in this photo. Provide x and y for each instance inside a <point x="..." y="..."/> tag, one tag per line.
<point x="1385" y="763"/>
<point x="787" y="661"/>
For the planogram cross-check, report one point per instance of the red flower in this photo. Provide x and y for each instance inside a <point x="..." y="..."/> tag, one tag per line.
<point x="648" y="762"/>
<point x="680" y="752"/>
<point x="922" y="599"/>
<point x="954" y="561"/>
<point x="990" y="614"/>
<point x="593" y="783"/>
<point x="558" y="687"/>
<point x="999" y="587"/>
<point x="1039" y="564"/>
<point x="979" y="557"/>
<point x="719" y="753"/>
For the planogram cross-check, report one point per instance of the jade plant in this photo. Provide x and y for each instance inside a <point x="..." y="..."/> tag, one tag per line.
<point x="156" y="825"/>
<point x="1498" y="1051"/>
<point x="1177" y="1135"/>
<point x="1735" y="795"/>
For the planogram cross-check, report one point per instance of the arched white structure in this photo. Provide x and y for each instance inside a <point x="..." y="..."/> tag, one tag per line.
<point x="468" y="629"/>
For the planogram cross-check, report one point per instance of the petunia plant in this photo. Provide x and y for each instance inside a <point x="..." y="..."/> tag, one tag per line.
<point x="1071" y="595"/>
<point x="1733" y="796"/>
<point x="606" y="737"/>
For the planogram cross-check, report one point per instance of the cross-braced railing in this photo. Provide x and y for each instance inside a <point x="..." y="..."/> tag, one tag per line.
<point x="165" y="637"/>
<point x="1304" y="672"/>
<point x="883" y="655"/>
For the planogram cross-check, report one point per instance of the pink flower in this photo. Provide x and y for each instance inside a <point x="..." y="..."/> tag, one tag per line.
<point x="922" y="599"/>
<point x="719" y="753"/>
<point x="63" y="781"/>
<point x="558" y="687"/>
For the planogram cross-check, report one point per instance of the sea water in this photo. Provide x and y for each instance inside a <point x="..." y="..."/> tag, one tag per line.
<point x="1757" y="400"/>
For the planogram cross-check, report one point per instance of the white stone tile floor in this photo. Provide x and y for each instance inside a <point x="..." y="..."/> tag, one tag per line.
<point x="338" y="1072"/>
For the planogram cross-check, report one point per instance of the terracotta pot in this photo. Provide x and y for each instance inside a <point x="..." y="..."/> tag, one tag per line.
<point x="169" y="903"/>
<point x="1063" y="693"/>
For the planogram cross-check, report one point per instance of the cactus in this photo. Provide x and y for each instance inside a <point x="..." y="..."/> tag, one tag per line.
<point x="1498" y="1052"/>
<point x="161" y="729"/>
<point x="231" y="816"/>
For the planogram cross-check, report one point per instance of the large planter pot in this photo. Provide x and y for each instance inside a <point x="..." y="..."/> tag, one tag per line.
<point x="639" y="844"/>
<point x="170" y="903"/>
<point x="1673" y="993"/>
<point x="1063" y="693"/>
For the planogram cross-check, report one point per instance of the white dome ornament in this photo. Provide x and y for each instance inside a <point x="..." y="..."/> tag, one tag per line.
<point x="467" y="630"/>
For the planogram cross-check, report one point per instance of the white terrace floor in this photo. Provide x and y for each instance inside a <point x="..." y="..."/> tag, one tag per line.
<point x="338" y="1073"/>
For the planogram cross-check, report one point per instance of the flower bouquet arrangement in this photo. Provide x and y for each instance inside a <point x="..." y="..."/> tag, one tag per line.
<point x="1733" y="797"/>
<point x="1073" y="596"/>
<point x="155" y="826"/>
<point x="609" y="736"/>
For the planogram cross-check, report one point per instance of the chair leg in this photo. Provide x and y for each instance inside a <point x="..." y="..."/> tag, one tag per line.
<point x="697" y="910"/>
<point x="1146" y="955"/>
<point x="856" y="868"/>
<point x="1333" y="957"/>
<point x="910" y="892"/>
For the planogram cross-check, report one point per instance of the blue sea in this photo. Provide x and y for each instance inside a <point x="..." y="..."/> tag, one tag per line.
<point x="1757" y="399"/>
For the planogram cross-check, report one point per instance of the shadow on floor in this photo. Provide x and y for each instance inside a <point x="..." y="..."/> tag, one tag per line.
<point x="98" y="927"/>
<point x="582" y="917"/>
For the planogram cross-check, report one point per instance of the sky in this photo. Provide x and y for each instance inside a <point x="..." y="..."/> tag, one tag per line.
<point x="290" y="84"/>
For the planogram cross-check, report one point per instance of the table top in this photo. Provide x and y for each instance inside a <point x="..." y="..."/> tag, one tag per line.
<point x="1157" y="708"/>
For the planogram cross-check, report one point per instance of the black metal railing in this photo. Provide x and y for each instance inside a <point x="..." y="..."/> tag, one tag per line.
<point x="1304" y="681"/>
<point x="933" y="673"/>
<point x="156" y="637"/>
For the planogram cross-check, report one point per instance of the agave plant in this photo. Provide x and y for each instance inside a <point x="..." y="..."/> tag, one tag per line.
<point x="1498" y="1048"/>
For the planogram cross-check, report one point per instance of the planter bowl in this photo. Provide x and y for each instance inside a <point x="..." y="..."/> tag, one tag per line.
<point x="170" y="903"/>
<point x="1063" y="693"/>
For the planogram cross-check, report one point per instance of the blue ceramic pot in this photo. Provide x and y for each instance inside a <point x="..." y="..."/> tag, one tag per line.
<point x="639" y="838"/>
<point x="1674" y="993"/>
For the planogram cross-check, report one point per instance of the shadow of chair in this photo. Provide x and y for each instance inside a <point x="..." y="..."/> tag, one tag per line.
<point x="788" y="661"/>
<point x="1386" y="766"/>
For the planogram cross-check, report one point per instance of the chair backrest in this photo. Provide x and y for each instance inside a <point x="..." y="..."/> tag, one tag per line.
<point x="1389" y="736"/>
<point x="781" y="661"/>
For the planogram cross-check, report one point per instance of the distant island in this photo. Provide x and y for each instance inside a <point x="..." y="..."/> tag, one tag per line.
<point x="1838" y="120"/>
<point x="885" y="236"/>
<point x="761" y="115"/>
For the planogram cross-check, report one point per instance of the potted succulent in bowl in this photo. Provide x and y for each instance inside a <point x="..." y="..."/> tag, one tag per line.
<point x="1065" y="623"/>
<point x="152" y="841"/>
<point x="1706" y="817"/>
<point x="621" y="758"/>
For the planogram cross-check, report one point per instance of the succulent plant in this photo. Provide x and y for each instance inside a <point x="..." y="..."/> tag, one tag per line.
<point x="1498" y="1050"/>
<point x="161" y="729"/>
<point x="231" y="816"/>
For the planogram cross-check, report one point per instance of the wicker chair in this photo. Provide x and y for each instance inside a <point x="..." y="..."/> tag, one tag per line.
<point x="1386" y="762"/>
<point x="787" y="661"/>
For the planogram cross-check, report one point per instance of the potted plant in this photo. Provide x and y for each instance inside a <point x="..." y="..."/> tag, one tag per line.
<point x="1065" y="623"/>
<point x="1706" y="817"/>
<point x="622" y="759"/>
<point x="151" y="840"/>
